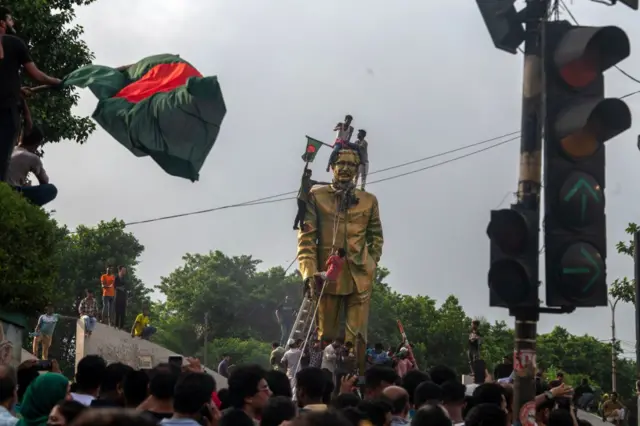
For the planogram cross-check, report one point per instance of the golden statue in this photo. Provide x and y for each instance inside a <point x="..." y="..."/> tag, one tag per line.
<point x="340" y="216"/>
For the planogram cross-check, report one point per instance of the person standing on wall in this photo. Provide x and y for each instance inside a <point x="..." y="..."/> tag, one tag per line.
<point x="121" y="297"/>
<point x="107" y="281"/>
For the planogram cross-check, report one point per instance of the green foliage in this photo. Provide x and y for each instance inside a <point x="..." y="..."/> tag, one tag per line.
<point x="57" y="49"/>
<point x="624" y="289"/>
<point x="28" y="242"/>
<point x="83" y="258"/>
<point x="240" y="301"/>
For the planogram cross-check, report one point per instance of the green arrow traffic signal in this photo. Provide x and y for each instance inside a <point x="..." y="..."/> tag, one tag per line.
<point x="595" y="271"/>
<point x="587" y="190"/>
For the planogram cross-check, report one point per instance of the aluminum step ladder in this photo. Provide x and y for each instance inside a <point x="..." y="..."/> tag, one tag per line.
<point x="304" y="319"/>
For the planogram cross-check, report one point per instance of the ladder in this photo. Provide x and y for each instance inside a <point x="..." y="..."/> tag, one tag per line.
<point x="304" y="319"/>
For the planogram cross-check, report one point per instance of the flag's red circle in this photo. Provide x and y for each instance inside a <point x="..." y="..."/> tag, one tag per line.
<point x="311" y="148"/>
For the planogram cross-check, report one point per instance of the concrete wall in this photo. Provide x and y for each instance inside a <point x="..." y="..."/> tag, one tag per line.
<point x="118" y="346"/>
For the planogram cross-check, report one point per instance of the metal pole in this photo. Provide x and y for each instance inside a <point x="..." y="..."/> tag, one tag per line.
<point x="614" y="374"/>
<point x="529" y="183"/>
<point x="205" y="337"/>
<point x="636" y="270"/>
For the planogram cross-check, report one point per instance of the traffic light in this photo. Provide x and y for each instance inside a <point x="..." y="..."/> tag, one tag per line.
<point x="579" y="119"/>
<point x="513" y="274"/>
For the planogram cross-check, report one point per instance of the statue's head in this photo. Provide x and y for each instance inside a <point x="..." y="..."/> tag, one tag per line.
<point x="346" y="166"/>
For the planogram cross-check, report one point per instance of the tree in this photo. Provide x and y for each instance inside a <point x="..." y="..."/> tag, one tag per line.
<point x="56" y="47"/>
<point x="29" y="239"/>
<point x="624" y="289"/>
<point x="84" y="256"/>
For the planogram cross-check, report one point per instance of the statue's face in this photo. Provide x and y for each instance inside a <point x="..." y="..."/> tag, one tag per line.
<point x="346" y="166"/>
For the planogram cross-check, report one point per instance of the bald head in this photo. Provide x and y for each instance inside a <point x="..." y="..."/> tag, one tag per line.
<point x="399" y="399"/>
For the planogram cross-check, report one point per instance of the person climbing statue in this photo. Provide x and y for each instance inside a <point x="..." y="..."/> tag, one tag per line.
<point x="334" y="268"/>
<point x="305" y="186"/>
<point x="343" y="139"/>
<point x="363" y="168"/>
<point x="284" y="315"/>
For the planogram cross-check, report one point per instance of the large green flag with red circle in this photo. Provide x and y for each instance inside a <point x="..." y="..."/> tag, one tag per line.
<point x="161" y="107"/>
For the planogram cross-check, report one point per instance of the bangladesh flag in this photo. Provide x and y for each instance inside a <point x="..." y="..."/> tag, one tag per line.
<point x="160" y="107"/>
<point x="313" y="145"/>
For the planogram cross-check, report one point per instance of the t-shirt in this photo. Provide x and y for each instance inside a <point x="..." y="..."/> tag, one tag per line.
<point x="22" y="163"/>
<point x="363" y="150"/>
<point x="329" y="358"/>
<point x="142" y="321"/>
<point x="292" y="357"/>
<point x="16" y="55"/>
<point x="334" y="267"/>
<point x="344" y="133"/>
<point x="403" y="366"/>
<point x="48" y="323"/>
<point x="108" y="282"/>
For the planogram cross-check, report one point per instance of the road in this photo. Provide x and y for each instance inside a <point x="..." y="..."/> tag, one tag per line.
<point x="592" y="418"/>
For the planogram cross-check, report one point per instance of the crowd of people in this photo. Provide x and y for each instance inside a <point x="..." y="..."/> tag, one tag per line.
<point x="171" y="395"/>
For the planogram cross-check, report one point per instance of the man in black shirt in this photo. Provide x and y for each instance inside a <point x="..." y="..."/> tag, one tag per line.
<point x="303" y="196"/>
<point x="121" y="298"/>
<point x="505" y="369"/>
<point x="284" y="315"/>
<point x="15" y="55"/>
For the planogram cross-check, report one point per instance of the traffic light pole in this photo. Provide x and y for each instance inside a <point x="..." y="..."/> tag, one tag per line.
<point x="636" y="270"/>
<point x="529" y="188"/>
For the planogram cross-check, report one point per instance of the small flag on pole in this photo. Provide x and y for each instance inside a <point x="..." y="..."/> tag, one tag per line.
<point x="313" y="145"/>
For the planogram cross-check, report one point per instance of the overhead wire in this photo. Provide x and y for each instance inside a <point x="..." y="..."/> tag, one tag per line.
<point x="277" y="197"/>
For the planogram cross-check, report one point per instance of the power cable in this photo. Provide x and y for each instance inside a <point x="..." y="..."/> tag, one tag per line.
<point x="575" y="21"/>
<point x="276" y="198"/>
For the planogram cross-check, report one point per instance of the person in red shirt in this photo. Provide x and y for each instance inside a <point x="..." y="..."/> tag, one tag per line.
<point x="334" y="268"/>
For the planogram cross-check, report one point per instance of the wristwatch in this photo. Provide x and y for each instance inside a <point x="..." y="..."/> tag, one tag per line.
<point x="548" y="394"/>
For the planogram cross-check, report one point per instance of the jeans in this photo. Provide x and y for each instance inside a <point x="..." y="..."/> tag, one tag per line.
<point x="363" y="170"/>
<point x="148" y="332"/>
<point x="39" y="194"/>
<point x="9" y="130"/>
<point x="89" y="323"/>
<point x="120" y="308"/>
<point x="107" y="308"/>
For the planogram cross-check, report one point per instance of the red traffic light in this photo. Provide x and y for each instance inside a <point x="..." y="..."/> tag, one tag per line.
<point x="509" y="230"/>
<point x="585" y="52"/>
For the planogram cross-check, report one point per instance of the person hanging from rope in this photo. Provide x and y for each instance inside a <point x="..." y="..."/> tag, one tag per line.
<point x="363" y="168"/>
<point x="303" y="194"/>
<point x="343" y="139"/>
<point x="334" y="265"/>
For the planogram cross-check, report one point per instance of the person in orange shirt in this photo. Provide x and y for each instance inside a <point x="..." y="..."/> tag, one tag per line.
<point x="108" y="294"/>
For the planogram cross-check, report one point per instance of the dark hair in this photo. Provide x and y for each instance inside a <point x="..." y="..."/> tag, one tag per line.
<point x="162" y="383"/>
<point x="88" y="290"/>
<point x="412" y="380"/>
<point x="399" y="403"/>
<point x="192" y="392"/>
<point x="279" y="383"/>
<point x="224" y="355"/>
<point x="90" y="372"/>
<point x="376" y="375"/>
<point x="34" y="138"/>
<point x="342" y="252"/>
<point x="453" y="392"/>
<point x="427" y="392"/>
<point x="345" y="400"/>
<point x="114" y="376"/>
<point x="111" y="417"/>
<point x="8" y="383"/>
<point x="311" y="381"/>
<point x="70" y="410"/>
<point x="348" y="117"/>
<point x="489" y="393"/>
<point x="4" y="12"/>
<point x="560" y="418"/>
<point x="277" y="410"/>
<point x="441" y="373"/>
<point x="328" y="386"/>
<point x="486" y="414"/>
<point x="363" y="131"/>
<point x="243" y="383"/>
<point x="223" y="396"/>
<point x="353" y="415"/>
<point x="376" y="411"/>
<point x="431" y="415"/>
<point x="321" y="418"/>
<point x="134" y="387"/>
<point x="275" y="345"/>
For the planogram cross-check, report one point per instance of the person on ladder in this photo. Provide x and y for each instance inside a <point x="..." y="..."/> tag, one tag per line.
<point x="334" y="268"/>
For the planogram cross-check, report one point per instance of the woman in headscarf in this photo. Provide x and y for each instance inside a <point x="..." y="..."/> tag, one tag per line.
<point x="41" y="396"/>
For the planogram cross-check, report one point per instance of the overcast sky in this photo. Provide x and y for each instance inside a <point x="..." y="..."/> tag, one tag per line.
<point x="421" y="76"/>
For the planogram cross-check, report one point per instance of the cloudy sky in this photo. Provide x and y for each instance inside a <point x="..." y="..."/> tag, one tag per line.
<point x="421" y="76"/>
